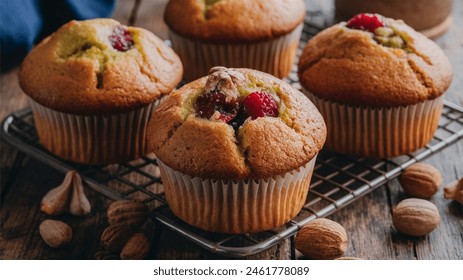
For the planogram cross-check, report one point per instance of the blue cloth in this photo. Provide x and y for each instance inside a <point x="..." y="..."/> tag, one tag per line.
<point x="24" y="23"/>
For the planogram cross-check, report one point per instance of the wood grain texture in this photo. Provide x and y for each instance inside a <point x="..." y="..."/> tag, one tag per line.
<point x="150" y="16"/>
<point x="124" y="10"/>
<point x="368" y="221"/>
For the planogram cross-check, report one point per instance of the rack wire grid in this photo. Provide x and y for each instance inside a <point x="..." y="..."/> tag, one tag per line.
<point x="337" y="179"/>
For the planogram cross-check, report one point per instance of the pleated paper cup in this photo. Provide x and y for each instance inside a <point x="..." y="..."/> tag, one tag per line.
<point x="93" y="139"/>
<point x="378" y="132"/>
<point x="275" y="56"/>
<point x="240" y="206"/>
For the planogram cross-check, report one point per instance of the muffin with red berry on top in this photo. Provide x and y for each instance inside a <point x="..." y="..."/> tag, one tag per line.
<point x="430" y="17"/>
<point x="93" y="85"/>
<point x="378" y="83"/>
<point x="236" y="150"/>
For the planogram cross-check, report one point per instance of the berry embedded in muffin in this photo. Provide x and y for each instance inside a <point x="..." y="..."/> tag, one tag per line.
<point x="365" y="22"/>
<point x="121" y="39"/>
<point x="382" y="31"/>
<point x="223" y="101"/>
<point x="260" y="104"/>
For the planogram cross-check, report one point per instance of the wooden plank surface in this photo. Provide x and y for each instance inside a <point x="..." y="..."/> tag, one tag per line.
<point x="367" y="221"/>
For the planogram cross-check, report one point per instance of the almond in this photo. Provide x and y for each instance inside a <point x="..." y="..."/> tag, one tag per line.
<point x="322" y="239"/>
<point x="114" y="237"/>
<point x="55" y="233"/>
<point x="415" y="217"/>
<point x="420" y="180"/>
<point x="129" y="212"/>
<point x="136" y="248"/>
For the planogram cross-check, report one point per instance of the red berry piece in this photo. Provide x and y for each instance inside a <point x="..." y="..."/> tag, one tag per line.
<point x="260" y="104"/>
<point x="209" y="103"/>
<point x="121" y="39"/>
<point x="367" y="22"/>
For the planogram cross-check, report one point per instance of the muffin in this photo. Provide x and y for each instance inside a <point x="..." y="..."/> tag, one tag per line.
<point x="236" y="150"/>
<point x="92" y="86"/>
<point x="377" y="83"/>
<point x="261" y="35"/>
<point x="431" y="17"/>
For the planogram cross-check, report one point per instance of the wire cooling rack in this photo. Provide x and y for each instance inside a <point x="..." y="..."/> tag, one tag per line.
<point x="337" y="179"/>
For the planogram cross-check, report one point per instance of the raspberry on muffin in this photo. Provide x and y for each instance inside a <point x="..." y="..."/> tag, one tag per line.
<point x="430" y="17"/>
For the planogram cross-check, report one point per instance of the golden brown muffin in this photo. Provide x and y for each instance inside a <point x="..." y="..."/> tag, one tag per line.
<point x="79" y="70"/>
<point x="258" y="148"/>
<point x="233" y="21"/>
<point x="377" y="83"/>
<point x="432" y="17"/>
<point x="354" y="67"/>
<point x="233" y="142"/>
<point x="93" y="86"/>
<point x="261" y="35"/>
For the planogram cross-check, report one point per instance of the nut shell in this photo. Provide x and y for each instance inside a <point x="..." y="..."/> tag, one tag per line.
<point x="129" y="212"/>
<point x="136" y="248"/>
<point x="114" y="237"/>
<point x="421" y="180"/>
<point x="322" y="239"/>
<point x="454" y="191"/>
<point x="55" y="233"/>
<point x="415" y="217"/>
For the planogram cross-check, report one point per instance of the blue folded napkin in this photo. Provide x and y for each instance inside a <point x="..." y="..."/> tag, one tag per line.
<point x="24" y="23"/>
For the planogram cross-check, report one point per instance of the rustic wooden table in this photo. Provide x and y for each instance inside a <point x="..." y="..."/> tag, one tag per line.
<point x="367" y="221"/>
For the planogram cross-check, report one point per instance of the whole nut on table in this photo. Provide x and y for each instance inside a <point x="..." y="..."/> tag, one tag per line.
<point x="55" y="233"/>
<point x="415" y="217"/>
<point x="420" y="180"/>
<point x="322" y="239"/>
<point x="136" y="248"/>
<point x="129" y="212"/>
<point x="114" y="237"/>
<point x="454" y="191"/>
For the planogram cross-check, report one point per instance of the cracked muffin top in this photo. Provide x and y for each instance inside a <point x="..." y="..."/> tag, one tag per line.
<point x="229" y="21"/>
<point x="99" y="66"/>
<point x="374" y="61"/>
<point x="236" y="124"/>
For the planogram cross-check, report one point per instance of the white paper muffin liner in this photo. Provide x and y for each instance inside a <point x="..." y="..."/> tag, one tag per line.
<point x="378" y="132"/>
<point x="274" y="56"/>
<point x="93" y="139"/>
<point x="236" y="206"/>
